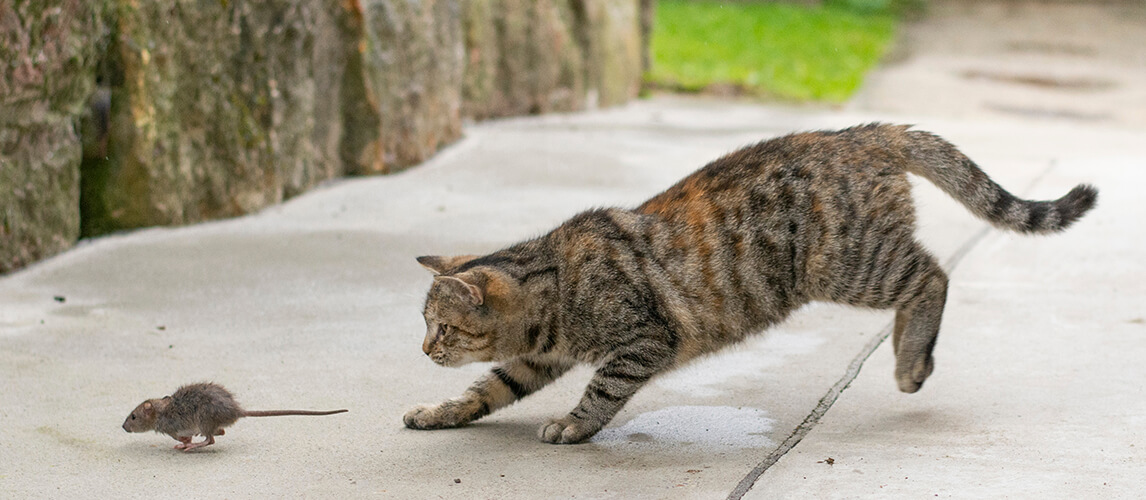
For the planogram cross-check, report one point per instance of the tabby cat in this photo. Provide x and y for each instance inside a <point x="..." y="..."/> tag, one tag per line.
<point x="726" y="252"/>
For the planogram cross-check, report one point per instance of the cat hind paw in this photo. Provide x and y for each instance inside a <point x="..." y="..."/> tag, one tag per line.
<point x="911" y="379"/>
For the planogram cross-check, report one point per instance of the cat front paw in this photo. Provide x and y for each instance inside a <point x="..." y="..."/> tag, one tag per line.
<point x="567" y="430"/>
<point x="428" y="417"/>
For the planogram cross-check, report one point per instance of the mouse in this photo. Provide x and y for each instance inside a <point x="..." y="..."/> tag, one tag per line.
<point x="197" y="409"/>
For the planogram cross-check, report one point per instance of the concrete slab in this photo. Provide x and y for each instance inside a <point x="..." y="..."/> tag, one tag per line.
<point x="316" y="304"/>
<point x="1038" y="390"/>
<point x="1068" y="62"/>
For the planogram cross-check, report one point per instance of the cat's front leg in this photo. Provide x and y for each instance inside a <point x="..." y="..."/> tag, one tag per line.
<point x="503" y="385"/>
<point x="608" y="391"/>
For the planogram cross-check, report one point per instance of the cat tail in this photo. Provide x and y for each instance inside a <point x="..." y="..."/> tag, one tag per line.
<point x="939" y="162"/>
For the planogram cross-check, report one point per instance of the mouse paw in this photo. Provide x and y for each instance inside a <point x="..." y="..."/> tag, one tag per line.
<point x="188" y="446"/>
<point x="184" y="442"/>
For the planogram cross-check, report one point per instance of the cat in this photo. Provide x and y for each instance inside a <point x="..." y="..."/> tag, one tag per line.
<point x="726" y="252"/>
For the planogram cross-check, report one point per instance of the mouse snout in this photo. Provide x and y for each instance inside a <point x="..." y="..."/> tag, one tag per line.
<point x="125" y="427"/>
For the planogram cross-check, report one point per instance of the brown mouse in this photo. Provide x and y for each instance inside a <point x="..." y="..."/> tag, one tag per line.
<point x="203" y="409"/>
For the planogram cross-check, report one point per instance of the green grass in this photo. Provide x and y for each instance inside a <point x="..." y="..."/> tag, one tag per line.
<point x="774" y="50"/>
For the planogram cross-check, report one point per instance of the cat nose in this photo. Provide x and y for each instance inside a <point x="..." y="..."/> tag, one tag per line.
<point x="432" y="337"/>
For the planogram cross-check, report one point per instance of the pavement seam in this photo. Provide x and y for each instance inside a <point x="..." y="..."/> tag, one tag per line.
<point x="856" y="364"/>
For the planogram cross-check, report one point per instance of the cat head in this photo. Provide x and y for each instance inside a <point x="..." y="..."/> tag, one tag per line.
<point x="473" y="315"/>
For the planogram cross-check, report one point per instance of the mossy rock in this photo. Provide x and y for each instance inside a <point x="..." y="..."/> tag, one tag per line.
<point x="222" y="109"/>
<point x="214" y="109"/>
<point x="49" y="50"/>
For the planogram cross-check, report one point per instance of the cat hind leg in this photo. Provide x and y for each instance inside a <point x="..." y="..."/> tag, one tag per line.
<point x="917" y="325"/>
<point x="898" y="273"/>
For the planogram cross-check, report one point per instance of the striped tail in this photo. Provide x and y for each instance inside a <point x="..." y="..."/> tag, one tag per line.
<point x="939" y="162"/>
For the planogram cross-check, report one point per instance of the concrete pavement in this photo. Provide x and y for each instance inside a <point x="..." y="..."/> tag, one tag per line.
<point x="1068" y="61"/>
<point x="1038" y="390"/>
<point x="315" y="304"/>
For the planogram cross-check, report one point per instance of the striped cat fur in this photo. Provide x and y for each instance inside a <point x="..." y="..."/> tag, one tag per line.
<point x="728" y="251"/>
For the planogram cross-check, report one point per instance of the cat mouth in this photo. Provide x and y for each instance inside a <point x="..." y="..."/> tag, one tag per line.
<point x="443" y="359"/>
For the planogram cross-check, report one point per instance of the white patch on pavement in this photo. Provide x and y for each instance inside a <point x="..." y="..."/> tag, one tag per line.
<point x="707" y="426"/>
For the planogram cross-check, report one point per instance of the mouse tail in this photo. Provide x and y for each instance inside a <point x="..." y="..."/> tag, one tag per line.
<point x="280" y="413"/>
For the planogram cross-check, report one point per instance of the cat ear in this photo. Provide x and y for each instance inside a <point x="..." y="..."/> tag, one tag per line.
<point x="467" y="292"/>
<point x="438" y="264"/>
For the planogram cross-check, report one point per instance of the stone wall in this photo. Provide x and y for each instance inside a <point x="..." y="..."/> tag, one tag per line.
<point x="48" y="52"/>
<point x="187" y="110"/>
<point x="216" y="109"/>
<point x="537" y="56"/>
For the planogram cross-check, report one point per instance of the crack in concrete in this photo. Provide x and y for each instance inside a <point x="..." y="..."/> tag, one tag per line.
<point x="856" y="364"/>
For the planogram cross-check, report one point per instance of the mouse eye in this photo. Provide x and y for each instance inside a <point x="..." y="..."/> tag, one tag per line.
<point x="133" y="416"/>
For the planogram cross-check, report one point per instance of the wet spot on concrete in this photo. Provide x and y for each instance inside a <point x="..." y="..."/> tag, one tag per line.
<point x="1051" y="113"/>
<point x="74" y="311"/>
<point x="64" y="439"/>
<point x="1049" y="47"/>
<point x="1079" y="83"/>
<point x="640" y="437"/>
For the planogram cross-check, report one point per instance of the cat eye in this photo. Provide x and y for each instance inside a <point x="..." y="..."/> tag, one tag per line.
<point x="443" y="329"/>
